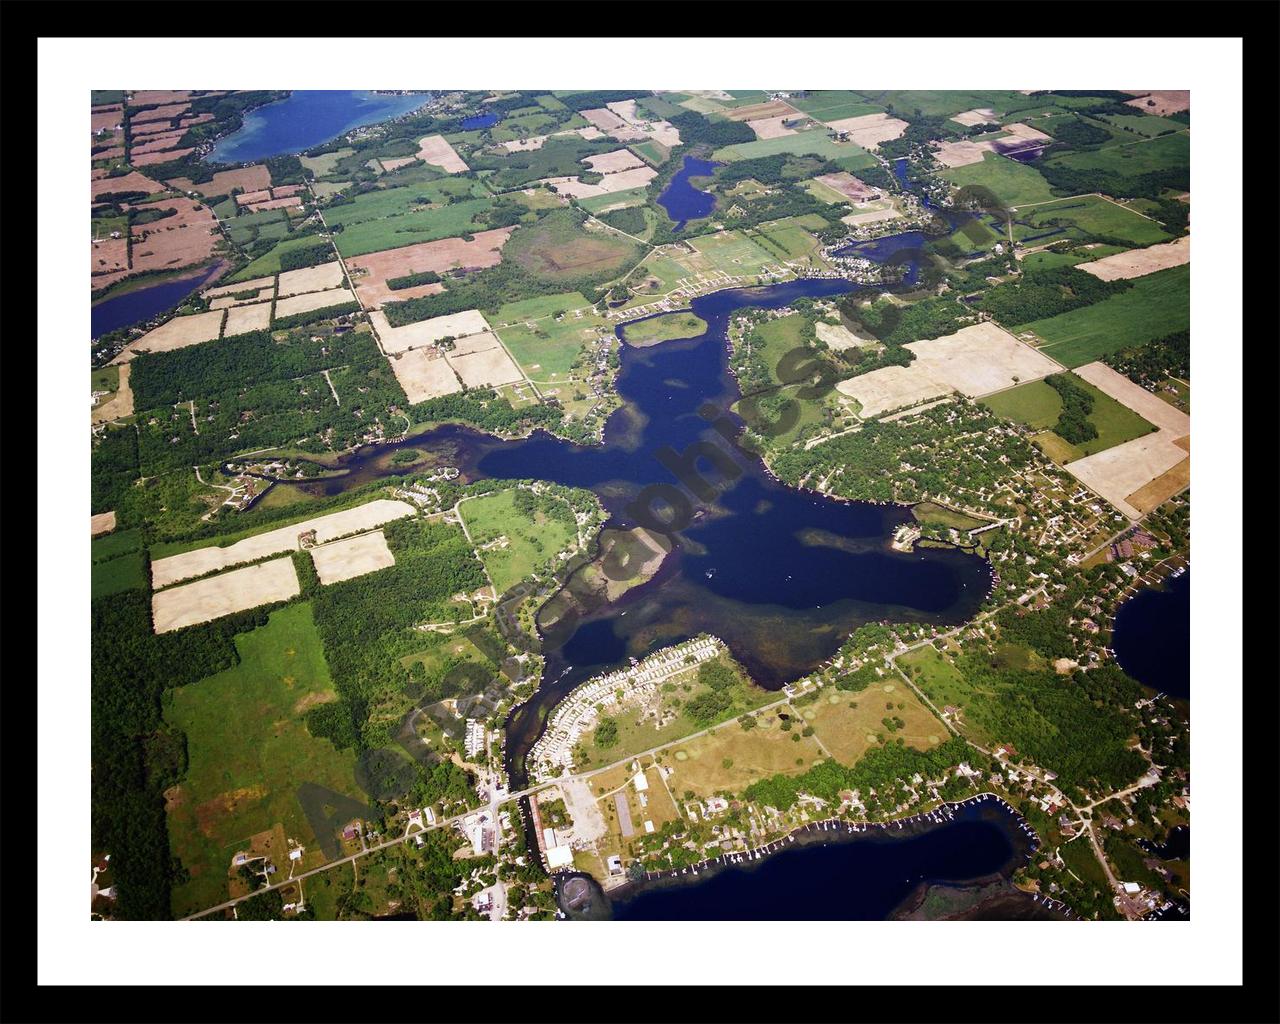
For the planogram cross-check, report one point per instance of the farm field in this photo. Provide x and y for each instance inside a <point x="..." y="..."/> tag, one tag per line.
<point x="728" y="252"/>
<point x="1037" y="405"/>
<point x="1156" y="305"/>
<point x="558" y="250"/>
<point x="513" y="543"/>
<point x="849" y="156"/>
<point x="548" y="350"/>
<point x="1014" y="184"/>
<point x="215" y="596"/>
<point x="1134" y="158"/>
<point x="1087" y="215"/>
<point x="248" y="748"/>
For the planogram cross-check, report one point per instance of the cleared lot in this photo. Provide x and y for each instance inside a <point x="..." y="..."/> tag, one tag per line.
<point x="481" y="360"/>
<point x="370" y="273"/>
<point x="869" y="130"/>
<point x="355" y="556"/>
<point x="436" y="151"/>
<point x="1140" y="262"/>
<point x="103" y="522"/>
<point x="221" y="595"/>
<point x="287" y="538"/>
<point x="242" y="319"/>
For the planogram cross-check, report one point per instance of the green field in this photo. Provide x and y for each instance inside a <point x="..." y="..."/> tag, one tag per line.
<point x="849" y="156"/>
<point x="1014" y="184"/>
<point x="268" y="264"/>
<point x="394" y="218"/>
<point x="113" y="545"/>
<point x="789" y="239"/>
<point x="1147" y="125"/>
<point x="1156" y="305"/>
<point x="537" y="307"/>
<point x="628" y="197"/>
<point x="663" y="328"/>
<point x="1049" y="260"/>
<point x="1138" y="157"/>
<point x="547" y="351"/>
<point x="532" y="541"/>
<point x="834" y="105"/>
<point x="1037" y="405"/>
<point x="1086" y="216"/>
<point x="248" y="750"/>
<point x="658" y="275"/>
<point x="248" y="227"/>
<point x="938" y="103"/>
<point x="731" y="252"/>
<point x="559" y="250"/>
<point x="127" y="572"/>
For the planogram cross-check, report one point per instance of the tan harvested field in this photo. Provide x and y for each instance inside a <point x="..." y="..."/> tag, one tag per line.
<point x="869" y="130"/>
<point x="1130" y="468"/>
<point x="1025" y="132"/>
<point x="980" y="359"/>
<point x="370" y="273"/>
<point x="314" y="300"/>
<point x="757" y="111"/>
<point x="699" y="765"/>
<point x="368" y="516"/>
<point x="179" y="332"/>
<point x="145" y="131"/>
<point x="618" y="160"/>
<point x="109" y="256"/>
<point x="243" y="286"/>
<point x="283" y="203"/>
<point x="109" y="117"/>
<point x="103" y="522"/>
<point x="889" y="212"/>
<point x="771" y="127"/>
<point x="626" y="109"/>
<point x="890" y="388"/>
<point x="1140" y="474"/>
<point x="131" y="182"/>
<point x="243" y="319"/>
<point x="157" y="143"/>
<point x="1139" y="262"/>
<point x="849" y="732"/>
<point x="427" y="332"/>
<point x="979" y="115"/>
<point x="187" y="122"/>
<point x="164" y="113"/>
<point x="280" y="191"/>
<point x="537" y="141"/>
<point x="1162" y="488"/>
<point x="118" y="404"/>
<point x="187" y="237"/>
<point x="424" y="373"/>
<point x="975" y="361"/>
<point x="354" y="556"/>
<point x="143" y="97"/>
<point x="396" y="162"/>
<point x="604" y="119"/>
<point x="853" y="189"/>
<point x="637" y="177"/>
<point x="433" y="149"/>
<point x="114" y="153"/>
<point x="260" y="195"/>
<point x="482" y="361"/>
<point x="230" y="301"/>
<point x="958" y="154"/>
<point x="1167" y="101"/>
<point x="251" y="179"/>
<point x="310" y="279"/>
<point x="836" y="336"/>
<point x="159" y="158"/>
<point x="230" y="592"/>
<point x="1139" y="399"/>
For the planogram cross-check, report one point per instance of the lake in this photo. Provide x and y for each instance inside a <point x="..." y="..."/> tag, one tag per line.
<point x="307" y="118"/>
<point x="1152" y="636"/>
<point x="863" y="876"/>
<point x="142" y="304"/>
<point x="681" y="200"/>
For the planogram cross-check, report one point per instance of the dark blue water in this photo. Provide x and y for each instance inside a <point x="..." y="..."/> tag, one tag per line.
<point x="681" y="200"/>
<point x="1152" y="637"/>
<point x="307" y="118"/>
<point x="138" y="306"/>
<point x="1176" y="846"/>
<point x="864" y="877"/>
<point x="480" y="121"/>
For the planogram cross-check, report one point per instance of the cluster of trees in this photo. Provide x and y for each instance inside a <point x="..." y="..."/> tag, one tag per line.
<point x="1074" y="181"/>
<point x="314" y="316"/>
<point x="1152" y="363"/>
<point x="113" y="467"/>
<point x="484" y="409"/>
<point x="920" y="131"/>
<point x="1077" y="133"/>
<point x="1040" y="294"/>
<point x="896" y="324"/>
<point x="135" y="755"/>
<point x="413" y="280"/>
<point x="629" y="219"/>
<point x="593" y="98"/>
<point x="697" y="130"/>
<point x="882" y="769"/>
<point x="711" y="705"/>
<point x="307" y="256"/>
<point x="606" y="734"/>
<point x="1073" y="424"/>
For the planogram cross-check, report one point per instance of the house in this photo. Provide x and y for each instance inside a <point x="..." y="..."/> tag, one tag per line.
<point x="640" y="782"/>
<point x="614" y="864"/>
<point x="1132" y="888"/>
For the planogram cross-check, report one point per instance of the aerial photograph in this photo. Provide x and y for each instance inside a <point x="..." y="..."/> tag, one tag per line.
<point x="631" y="504"/>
